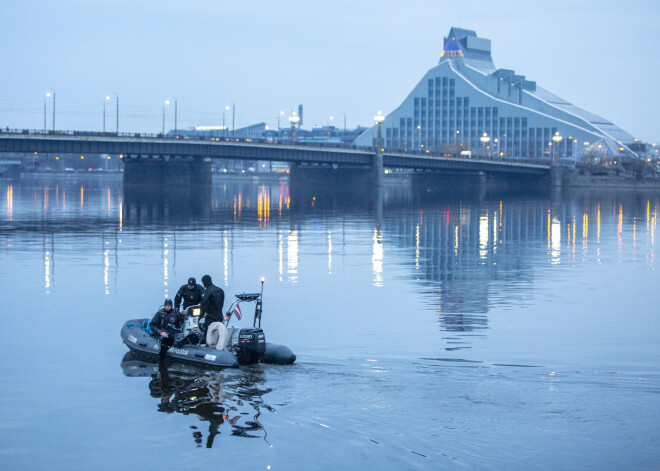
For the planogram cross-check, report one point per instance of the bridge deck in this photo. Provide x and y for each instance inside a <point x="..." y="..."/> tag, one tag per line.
<point x="159" y="147"/>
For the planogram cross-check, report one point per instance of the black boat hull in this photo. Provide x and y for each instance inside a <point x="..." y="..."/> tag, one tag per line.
<point x="144" y="345"/>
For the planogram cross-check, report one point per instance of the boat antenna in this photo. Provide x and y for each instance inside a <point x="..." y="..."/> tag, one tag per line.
<point x="258" y="308"/>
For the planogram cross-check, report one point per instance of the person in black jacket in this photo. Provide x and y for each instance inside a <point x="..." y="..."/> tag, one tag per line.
<point x="191" y="294"/>
<point x="166" y="323"/>
<point x="212" y="302"/>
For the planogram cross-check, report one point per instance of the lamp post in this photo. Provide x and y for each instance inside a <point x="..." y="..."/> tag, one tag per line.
<point x="379" y="118"/>
<point x="485" y="140"/>
<point x="224" y="128"/>
<point x="344" y="136"/>
<point x="48" y="95"/>
<point x="107" y="98"/>
<point x="167" y="102"/>
<point x="53" y="92"/>
<point x="45" y="100"/>
<point x="233" y="118"/>
<point x="175" y="115"/>
<point x="496" y="144"/>
<point x="378" y="157"/>
<point x="293" y="119"/>
<point x="278" y="120"/>
<point x="557" y="139"/>
<point x="116" y="112"/>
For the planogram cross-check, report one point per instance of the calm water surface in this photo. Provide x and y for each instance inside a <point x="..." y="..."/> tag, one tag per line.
<point x="434" y="331"/>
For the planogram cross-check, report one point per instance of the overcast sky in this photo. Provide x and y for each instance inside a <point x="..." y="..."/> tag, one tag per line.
<point x="336" y="58"/>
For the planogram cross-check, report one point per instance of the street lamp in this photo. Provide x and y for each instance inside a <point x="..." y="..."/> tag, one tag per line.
<point x="485" y="140"/>
<point x="107" y="98"/>
<point x="48" y="95"/>
<point x="175" y="115"/>
<point x="379" y="118"/>
<point x="53" y="92"/>
<point x="117" y="112"/>
<point x="418" y="130"/>
<point x="293" y="119"/>
<point x="167" y="102"/>
<point x="344" y="136"/>
<point x="224" y="128"/>
<point x="557" y="139"/>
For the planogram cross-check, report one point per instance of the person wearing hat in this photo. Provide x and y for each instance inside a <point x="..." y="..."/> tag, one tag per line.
<point x="212" y="302"/>
<point x="191" y="294"/>
<point x="165" y="324"/>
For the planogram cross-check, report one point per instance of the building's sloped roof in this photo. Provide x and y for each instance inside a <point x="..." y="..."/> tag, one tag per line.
<point x="476" y="54"/>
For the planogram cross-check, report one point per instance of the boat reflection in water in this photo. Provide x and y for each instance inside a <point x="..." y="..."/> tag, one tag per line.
<point x="216" y="397"/>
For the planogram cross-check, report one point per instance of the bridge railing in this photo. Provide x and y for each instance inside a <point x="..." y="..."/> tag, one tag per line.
<point x="275" y="142"/>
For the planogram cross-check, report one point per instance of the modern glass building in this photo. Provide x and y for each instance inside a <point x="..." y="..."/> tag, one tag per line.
<point x="465" y="103"/>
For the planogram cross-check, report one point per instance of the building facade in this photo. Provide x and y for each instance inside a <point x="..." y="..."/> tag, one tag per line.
<point x="466" y="104"/>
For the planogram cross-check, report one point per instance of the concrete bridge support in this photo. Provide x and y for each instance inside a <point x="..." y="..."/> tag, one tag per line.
<point x="155" y="170"/>
<point x="556" y="176"/>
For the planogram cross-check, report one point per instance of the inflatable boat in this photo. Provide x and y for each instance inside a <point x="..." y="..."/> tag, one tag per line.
<point x="241" y="346"/>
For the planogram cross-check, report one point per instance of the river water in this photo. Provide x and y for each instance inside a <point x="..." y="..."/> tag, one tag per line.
<point x="433" y="330"/>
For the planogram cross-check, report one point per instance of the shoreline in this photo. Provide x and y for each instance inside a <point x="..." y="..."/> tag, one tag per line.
<point x="572" y="182"/>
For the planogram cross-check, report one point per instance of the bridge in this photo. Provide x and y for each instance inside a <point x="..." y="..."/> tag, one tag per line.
<point x="152" y="157"/>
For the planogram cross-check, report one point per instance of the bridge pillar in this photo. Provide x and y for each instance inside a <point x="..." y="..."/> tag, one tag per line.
<point x="154" y="170"/>
<point x="378" y="169"/>
<point x="556" y="175"/>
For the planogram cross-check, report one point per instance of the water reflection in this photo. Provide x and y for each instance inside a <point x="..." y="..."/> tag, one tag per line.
<point x="217" y="398"/>
<point x="458" y="249"/>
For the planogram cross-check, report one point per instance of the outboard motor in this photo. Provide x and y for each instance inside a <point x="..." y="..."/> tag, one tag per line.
<point x="250" y="346"/>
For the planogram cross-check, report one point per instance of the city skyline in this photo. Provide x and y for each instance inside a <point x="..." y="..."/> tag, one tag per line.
<point x="337" y="60"/>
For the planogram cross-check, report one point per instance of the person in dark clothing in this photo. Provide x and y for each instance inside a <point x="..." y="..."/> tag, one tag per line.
<point x="212" y="302"/>
<point x="166" y="323"/>
<point x="191" y="294"/>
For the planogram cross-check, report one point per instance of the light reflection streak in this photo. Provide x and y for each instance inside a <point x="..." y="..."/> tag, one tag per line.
<point x="377" y="258"/>
<point x="82" y="198"/>
<point x="330" y="252"/>
<point x="634" y="238"/>
<point x="263" y="205"/>
<point x="46" y="195"/>
<point x="555" y="237"/>
<point x="585" y="231"/>
<point x="573" y="248"/>
<point x="598" y="225"/>
<point x="106" y="268"/>
<point x="456" y="241"/>
<point x="225" y="257"/>
<point x="495" y="225"/>
<point x="619" y="228"/>
<point x="483" y="236"/>
<point x="108" y="201"/>
<point x="10" y="202"/>
<point x="417" y="247"/>
<point x="280" y="254"/>
<point x="292" y="256"/>
<point x="47" y="268"/>
<point x="549" y="229"/>
<point x="166" y="263"/>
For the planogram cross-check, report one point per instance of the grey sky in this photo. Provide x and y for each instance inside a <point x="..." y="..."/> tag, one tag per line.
<point x="333" y="57"/>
